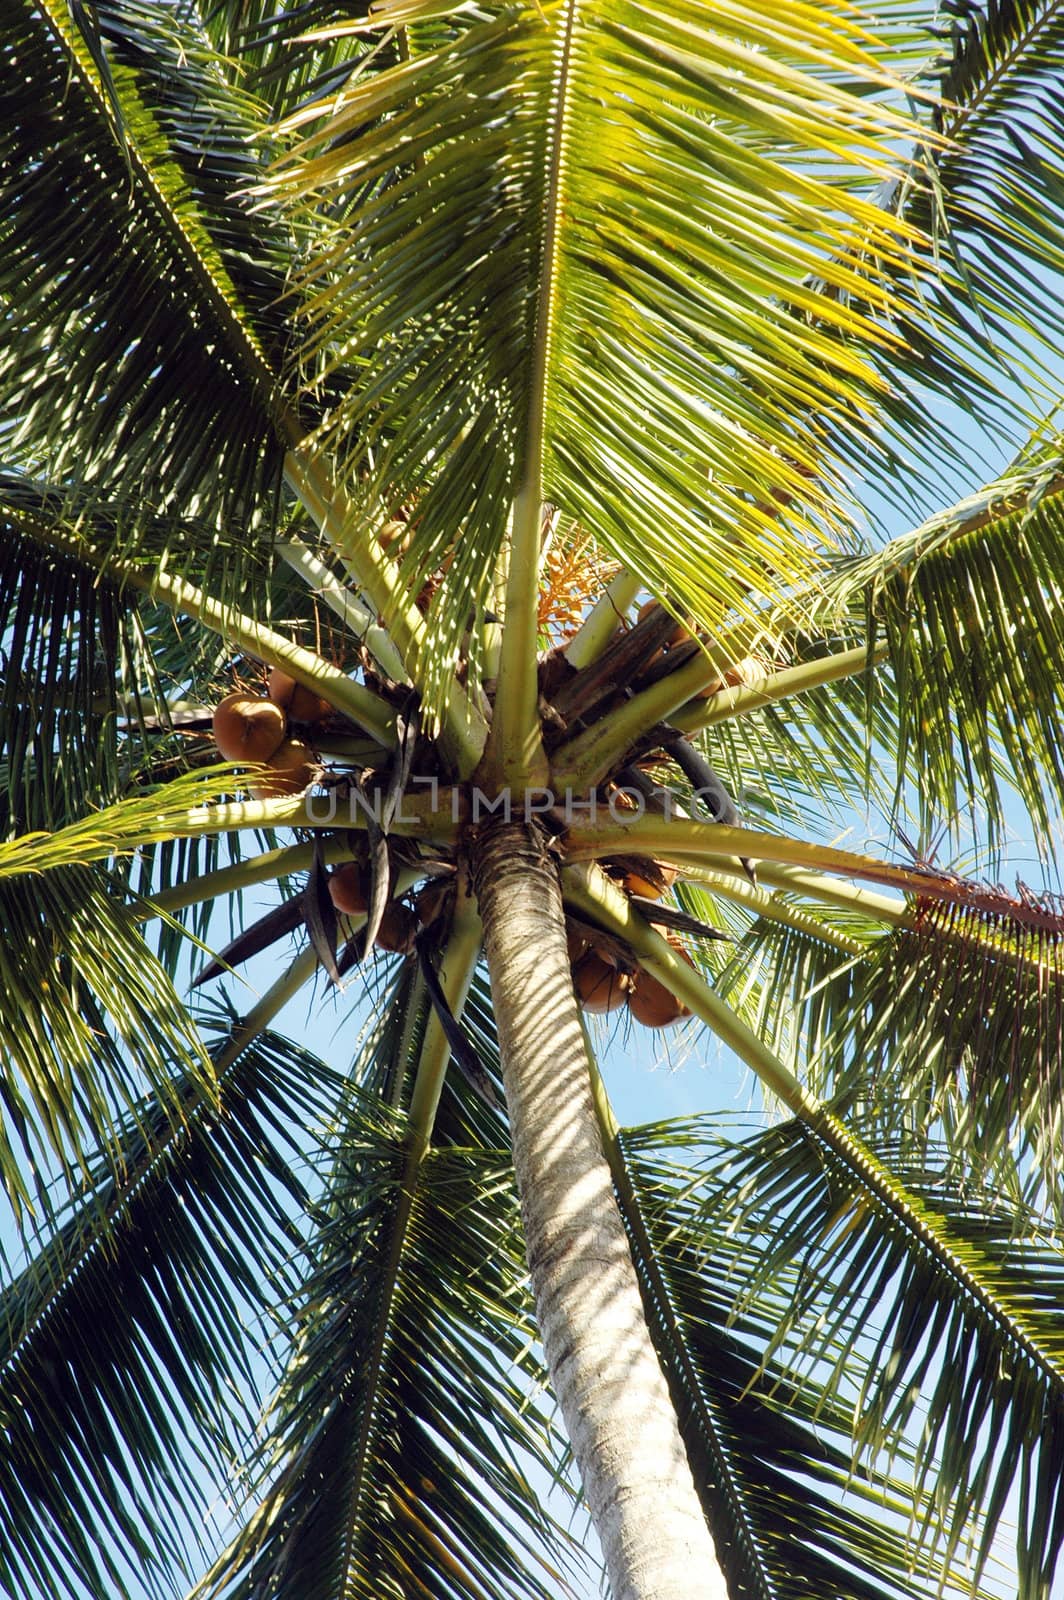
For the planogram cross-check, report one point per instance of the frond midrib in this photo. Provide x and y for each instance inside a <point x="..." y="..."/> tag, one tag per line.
<point x="200" y="259"/>
<point x="969" y="111"/>
<point x="974" y="1277"/>
<point x="516" y="740"/>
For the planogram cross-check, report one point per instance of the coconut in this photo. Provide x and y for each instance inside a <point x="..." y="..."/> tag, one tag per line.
<point x="248" y="728"/>
<point x="301" y="703"/>
<point x="652" y="1004"/>
<point x="293" y="769"/>
<point x="600" y="986"/>
<point x="650" y="881"/>
<point x="397" y="928"/>
<point x="348" y="888"/>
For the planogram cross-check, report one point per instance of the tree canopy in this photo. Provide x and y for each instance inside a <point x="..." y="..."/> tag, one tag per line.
<point x="401" y="352"/>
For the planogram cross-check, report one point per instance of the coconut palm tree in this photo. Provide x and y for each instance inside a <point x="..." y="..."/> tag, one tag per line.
<point x="363" y="371"/>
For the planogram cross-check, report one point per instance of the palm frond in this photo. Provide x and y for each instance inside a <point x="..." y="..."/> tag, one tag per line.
<point x="215" y="129"/>
<point x="996" y="203"/>
<point x="948" y="1021"/>
<point x="119" y="829"/>
<point x="969" y="606"/>
<point x="88" y="1019"/>
<point x="859" y="1309"/>
<point x="293" y="56"/>
<point x="955" y="1023"/>
<point x="67" y="646"/>
<point x="131" y="1341"/>
<point x="813" y="762"/>
<point x="89" y="665"/>
<point x="837" y="734"/>
<point x="976" y="364"/>
<point x="407" y="1422"/>
<point x="795" y="988"/>
<point x="498" y="171"/>
<point x="795" y="1511"/>
<point x="163" y="391"/>
<point x="179" y="862"/>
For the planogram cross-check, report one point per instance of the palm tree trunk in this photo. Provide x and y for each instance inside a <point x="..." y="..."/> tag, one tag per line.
<point x="605" y="1373"/>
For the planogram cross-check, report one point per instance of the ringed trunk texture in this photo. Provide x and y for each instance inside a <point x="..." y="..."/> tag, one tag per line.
<point x="603" y="1366"/>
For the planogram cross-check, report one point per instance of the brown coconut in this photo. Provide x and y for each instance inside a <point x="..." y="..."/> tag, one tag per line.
<point x="293" y="769"/>
<point x="301" y="703"/>
<point x="652" y="1004"/>
<point x="248" y="727"/>
<point x="348" y="888"/>
<point x="397" y="928"/>
<point x="600" y="986"/>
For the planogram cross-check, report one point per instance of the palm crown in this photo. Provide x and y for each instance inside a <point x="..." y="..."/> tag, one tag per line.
<point x="402" y="354"/>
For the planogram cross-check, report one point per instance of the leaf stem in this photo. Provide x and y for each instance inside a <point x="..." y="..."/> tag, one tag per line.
<point x="427" y="816"/>
<point x="847" y="896"/>
<point x="358" y="617"/>
<point x="666" y="838"/>
<point x="776" y="910"/>
<point x="463" y="731"/>
<point x="277" y="996"/>
<point x="603" y="620"/>
<point x="735" y="702"/>
<point x="516" y="756"/>
<point x="263" y="868"/>
<point x="460" y="957"/>
<point x="277" y="650"/>
<point x="456" y="973"/>
<point x="305" y="666"/>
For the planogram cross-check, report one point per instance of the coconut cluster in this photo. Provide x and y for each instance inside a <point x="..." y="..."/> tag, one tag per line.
<point x="604" y="981"/>
<point x="255" y="729"/>
<point x="604" y="976"/>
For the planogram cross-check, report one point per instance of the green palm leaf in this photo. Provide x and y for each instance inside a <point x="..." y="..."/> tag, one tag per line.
<point x="977" y="363"/>
<point x="164" y="377"/>
<point x="281" y="54"/>
<point x="1000" y="206"/>
<point x="953" y="1022"/>
<point x="89" y="1018"/>
<point x="968" y="606"/>
<point x="492" y="235"/>
<point x="131" y="1337"/>
<point x="66" y="642"/>
<point x="861" y="1306"/>
<point x="794" y="984"/>
<point x="408" y="1408"/>
<point x="772" y="1448"/>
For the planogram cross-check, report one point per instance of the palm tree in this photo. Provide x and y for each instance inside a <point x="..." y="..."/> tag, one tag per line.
<point x="399" y="353"/>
